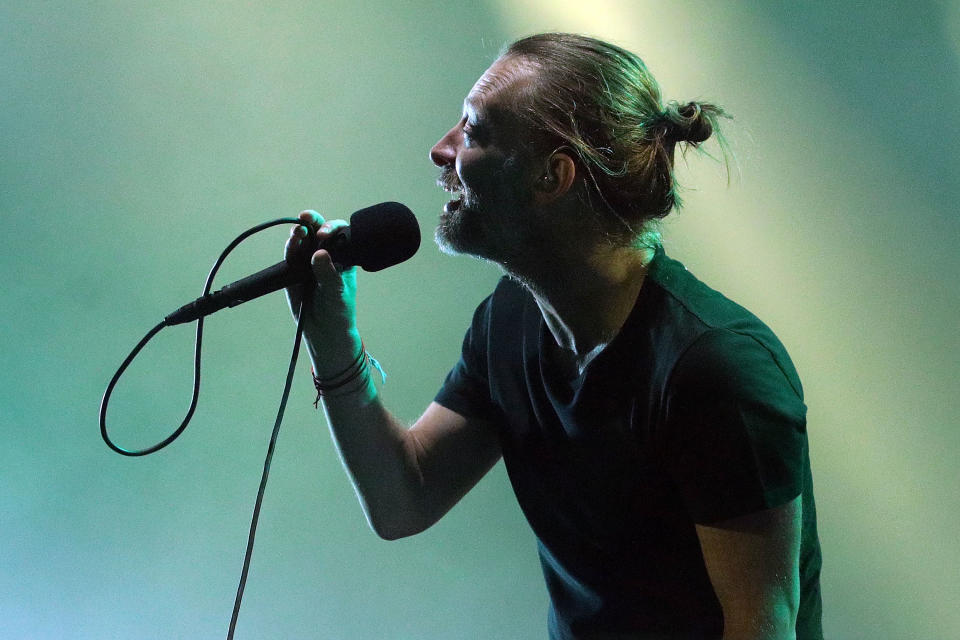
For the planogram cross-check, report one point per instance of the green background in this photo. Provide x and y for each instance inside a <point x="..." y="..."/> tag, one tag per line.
<point x="137" y="139"/>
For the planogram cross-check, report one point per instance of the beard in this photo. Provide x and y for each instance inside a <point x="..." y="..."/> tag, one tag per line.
<point x="452" y="235"/>
<point x="488" y="226"/>
<point x="459" y="231"/>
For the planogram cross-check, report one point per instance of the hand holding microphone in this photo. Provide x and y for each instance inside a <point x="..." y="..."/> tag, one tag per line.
<point x="377" y="237"/>
<point x="329" y="313"/>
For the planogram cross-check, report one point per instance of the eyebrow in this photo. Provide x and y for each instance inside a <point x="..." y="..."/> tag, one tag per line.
<point x="489" y="114"/>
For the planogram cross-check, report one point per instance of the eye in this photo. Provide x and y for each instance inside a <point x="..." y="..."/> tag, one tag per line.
<point x="471" y="134"/>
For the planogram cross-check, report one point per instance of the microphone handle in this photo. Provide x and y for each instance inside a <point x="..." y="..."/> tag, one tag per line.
<point x="261" y="283"/>
<point x="265" y="281"/>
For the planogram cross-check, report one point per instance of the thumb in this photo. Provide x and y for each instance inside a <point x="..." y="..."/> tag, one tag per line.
<point x="328" y="278"/>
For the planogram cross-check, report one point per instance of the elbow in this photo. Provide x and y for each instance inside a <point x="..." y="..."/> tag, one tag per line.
<point x="390" y="533"/>
<point x="395" y="528"/>
<point x="778" y="624"/>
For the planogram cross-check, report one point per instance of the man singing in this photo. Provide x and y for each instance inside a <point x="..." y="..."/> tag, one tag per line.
<point x="653" y="430"/>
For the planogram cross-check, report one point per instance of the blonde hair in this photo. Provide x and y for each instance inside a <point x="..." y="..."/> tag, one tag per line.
<point x="600" y="101"/>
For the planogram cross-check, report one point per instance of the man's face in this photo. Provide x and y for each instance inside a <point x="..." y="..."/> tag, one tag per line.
<point x="481" y="160"/>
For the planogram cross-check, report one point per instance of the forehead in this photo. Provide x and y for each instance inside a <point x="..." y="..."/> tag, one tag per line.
<point x="497" y="91"/>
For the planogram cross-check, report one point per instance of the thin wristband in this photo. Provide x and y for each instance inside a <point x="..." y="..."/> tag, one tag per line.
<point x="345" y="377"/>
<point x="332" y="381"/>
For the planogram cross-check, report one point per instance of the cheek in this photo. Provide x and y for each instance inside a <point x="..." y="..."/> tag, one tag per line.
<point x="487" y="175"/>
<point x="472" y="171"/>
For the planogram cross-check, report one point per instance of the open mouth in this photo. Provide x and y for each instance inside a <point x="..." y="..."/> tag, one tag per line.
<point x="451" y="185"/>
<point x="454" y="205"/>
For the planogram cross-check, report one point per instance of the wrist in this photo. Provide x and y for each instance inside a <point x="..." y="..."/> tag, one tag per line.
<point x="350" y="381"/>
<point x="345" y="381"/>
<point x="332" y="355"/>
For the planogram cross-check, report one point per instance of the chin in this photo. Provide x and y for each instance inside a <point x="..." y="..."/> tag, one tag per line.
<point x="455" y="235"/>
<point x="448" y="239"/>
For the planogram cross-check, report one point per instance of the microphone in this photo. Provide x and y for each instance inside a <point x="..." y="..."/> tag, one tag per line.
<point x="378" y="237"/>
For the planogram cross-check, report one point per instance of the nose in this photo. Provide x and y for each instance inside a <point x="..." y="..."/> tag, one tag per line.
<point x="445" y="151"/>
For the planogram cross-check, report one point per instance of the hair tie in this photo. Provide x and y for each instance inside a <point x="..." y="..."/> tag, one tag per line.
<point x="685" y="123"/>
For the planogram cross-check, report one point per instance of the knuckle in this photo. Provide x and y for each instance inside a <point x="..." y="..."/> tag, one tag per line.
<point x="311" y="217"/>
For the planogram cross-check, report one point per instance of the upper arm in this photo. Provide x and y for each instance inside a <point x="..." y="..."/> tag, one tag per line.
<point x="450" y="453"/>
<point x="753" y="564"/>
<point x="734" y="430"/>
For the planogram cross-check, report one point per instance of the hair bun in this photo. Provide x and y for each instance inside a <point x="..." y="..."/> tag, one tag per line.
<point x="687" y="123"/>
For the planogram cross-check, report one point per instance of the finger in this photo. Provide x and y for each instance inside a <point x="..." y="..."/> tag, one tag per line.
<point x="292" y="247"/>
<point x="311" y="218"/>
<point x="325" y="272"/>
<point x="295" y="243"/>
<point x="298" y="231"/>
<point x="330" y="227"/>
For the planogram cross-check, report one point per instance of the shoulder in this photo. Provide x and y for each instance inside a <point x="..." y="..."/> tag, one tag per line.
<point x="718" y="343"/>
<point x="733" y="429"/>
<point x="741" y="366"/>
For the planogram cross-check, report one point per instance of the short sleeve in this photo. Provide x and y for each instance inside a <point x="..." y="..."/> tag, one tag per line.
<point x="734" y="428"/>
<point x="466" y="389"/>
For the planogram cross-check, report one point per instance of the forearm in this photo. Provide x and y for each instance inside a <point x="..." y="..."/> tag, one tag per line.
<point x="376" y="452"/>
<point x="371" y="443"/>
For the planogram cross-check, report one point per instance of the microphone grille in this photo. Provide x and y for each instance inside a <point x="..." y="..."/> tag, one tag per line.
<point x="383" y="235"/>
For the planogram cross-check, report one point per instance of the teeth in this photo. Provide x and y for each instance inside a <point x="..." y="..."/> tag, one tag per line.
<point x="452" y="207"/>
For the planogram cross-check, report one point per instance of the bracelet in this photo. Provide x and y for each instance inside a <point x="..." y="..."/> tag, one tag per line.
<point x="352" y="373"/>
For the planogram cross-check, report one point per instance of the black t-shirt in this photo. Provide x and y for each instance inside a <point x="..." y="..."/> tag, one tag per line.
<point x="692" y="414"/>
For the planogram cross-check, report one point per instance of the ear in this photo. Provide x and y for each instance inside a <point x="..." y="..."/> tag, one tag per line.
<point x="556" y="179"/>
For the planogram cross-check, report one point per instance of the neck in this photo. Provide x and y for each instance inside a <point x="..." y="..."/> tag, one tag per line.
<point x="586" y="296"/>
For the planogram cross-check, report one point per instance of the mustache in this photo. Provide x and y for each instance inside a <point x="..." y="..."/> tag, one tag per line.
<point x="448" y="179"/>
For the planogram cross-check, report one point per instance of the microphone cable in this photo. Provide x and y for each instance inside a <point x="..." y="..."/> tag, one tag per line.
<point x="196" y="393"/>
